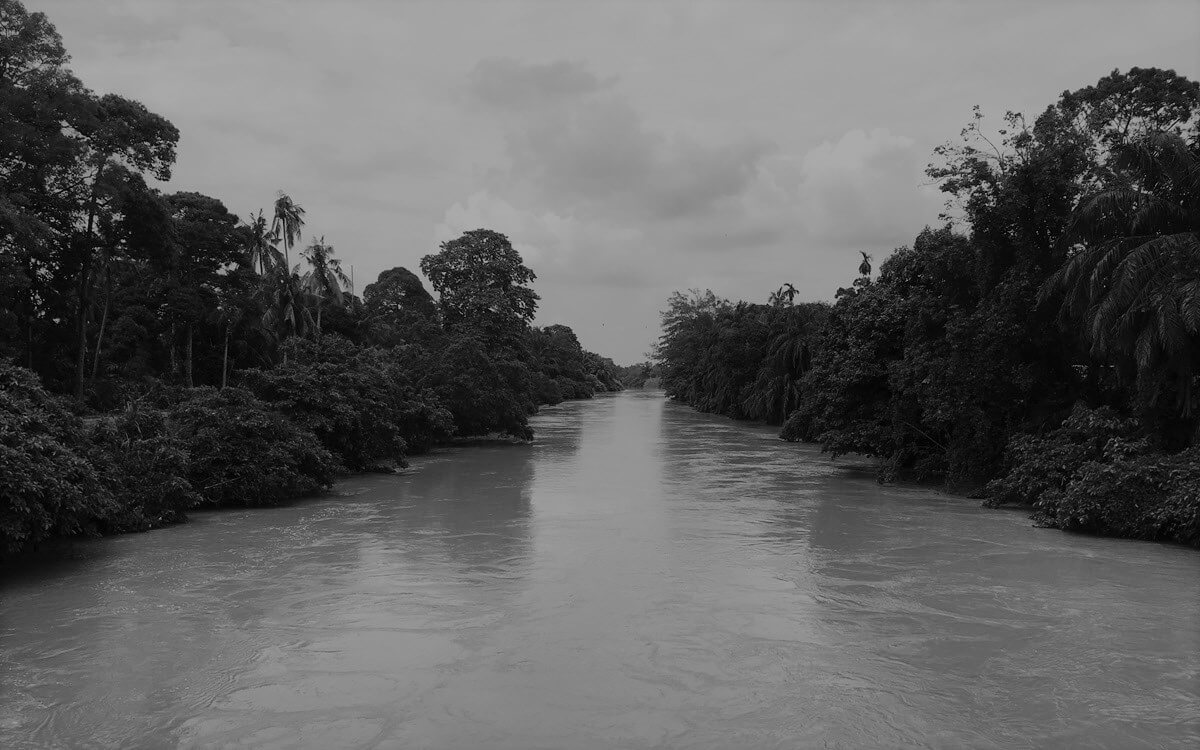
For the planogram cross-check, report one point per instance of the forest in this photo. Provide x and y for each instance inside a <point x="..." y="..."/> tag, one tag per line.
<point x="159" y="353"/>
<point x="1039" y="347"/>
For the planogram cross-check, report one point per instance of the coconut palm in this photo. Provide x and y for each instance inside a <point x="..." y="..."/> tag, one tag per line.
<point x="776" y="391"/>
<point x="864" y="268"/>
<point x="1134" y="278"/>
<point x="263" y="245"/>
<point x="787" y="293"/>
<point x="324" y="278"/>
<point x="286" y="226"/>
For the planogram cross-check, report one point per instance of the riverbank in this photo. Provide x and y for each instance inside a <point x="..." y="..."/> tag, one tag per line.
<point x="146" y="467"/>
<point x="1149" y="496"/>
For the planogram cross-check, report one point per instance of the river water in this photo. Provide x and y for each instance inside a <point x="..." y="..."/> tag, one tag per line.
<point x="641" y="576"/>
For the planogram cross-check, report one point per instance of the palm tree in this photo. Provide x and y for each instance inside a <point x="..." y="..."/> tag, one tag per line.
<point x="787" y="293"/>
<point x="325" y="277"/>
<point x="289" y="219"/>
<point x="263" y="245"/>
<point x="1134" y="277"/>
<point x="776" y="391"/>
<point x="864" y="268"/>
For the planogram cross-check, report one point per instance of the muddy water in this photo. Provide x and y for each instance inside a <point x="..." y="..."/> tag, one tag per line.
<point x="641" y="576"/>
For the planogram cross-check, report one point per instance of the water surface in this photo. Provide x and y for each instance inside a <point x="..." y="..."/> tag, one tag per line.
<point x="641" y="576"/>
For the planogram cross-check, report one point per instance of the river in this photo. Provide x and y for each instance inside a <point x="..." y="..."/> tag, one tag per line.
<point x="640" y="576"/>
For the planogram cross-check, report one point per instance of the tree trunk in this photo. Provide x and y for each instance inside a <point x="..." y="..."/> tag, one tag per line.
<point x="29" y="314"/>
<point x="171" y="349"/>
<point x="85" y="269"/>
<point x="81" y="333"/>
<point x="225" y="359"/>
<point x="103" y="324"/>
<point x="187" y="362"/>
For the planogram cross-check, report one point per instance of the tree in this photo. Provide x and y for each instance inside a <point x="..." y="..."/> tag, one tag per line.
<point x="482" y="283"/>
<point x="1133" y="281"/>
<point x="285" y="305"/>
<point x="399" y="309"/>
<point x="262" y="245"/>
<point x="208" y="242"/>
<point x="286" y="226"/>
<point x="864" y="268"/>
<point x="118" y="137"/>
<point x="324" y="278"/>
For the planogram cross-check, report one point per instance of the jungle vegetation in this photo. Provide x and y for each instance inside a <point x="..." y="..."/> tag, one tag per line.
<point x="1040" y="347"/>
<point x="159" y="353"/>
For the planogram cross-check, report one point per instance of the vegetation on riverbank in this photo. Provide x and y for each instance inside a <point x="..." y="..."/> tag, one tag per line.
<point x="1041" y="348"/>
<point x="223" y="372"/>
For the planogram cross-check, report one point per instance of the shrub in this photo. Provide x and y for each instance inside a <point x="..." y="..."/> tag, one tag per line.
<point x="1041" y="467"/>
<point x="245" y="453"/>
<point x="47" y="486"/>
<point x="1131" y="493"/>
<point x="1093" y="475"/>
<point x="145" y="469"/>
<point x="357" y="402"/>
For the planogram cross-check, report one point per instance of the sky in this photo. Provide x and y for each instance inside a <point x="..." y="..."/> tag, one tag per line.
<point x="627" y="149"/>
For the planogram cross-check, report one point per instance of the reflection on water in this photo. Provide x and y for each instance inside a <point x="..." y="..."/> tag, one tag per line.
<point x="642" y="576"/>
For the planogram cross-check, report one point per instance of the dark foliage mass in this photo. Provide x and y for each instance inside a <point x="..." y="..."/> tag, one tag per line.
<point x="1042" y="348"/>
<point x="218" y="360"/>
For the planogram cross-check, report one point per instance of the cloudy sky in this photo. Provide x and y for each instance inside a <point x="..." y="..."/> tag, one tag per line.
<point x="627" y="149"/>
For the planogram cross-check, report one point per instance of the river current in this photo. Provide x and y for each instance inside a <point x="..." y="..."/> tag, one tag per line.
<point x="640" y="576"/>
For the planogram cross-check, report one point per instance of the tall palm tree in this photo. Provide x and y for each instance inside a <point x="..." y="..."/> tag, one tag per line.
<point x="1134" y="278"/>
<point x="286" y="226"/>
<point x="263" y="245"/>
<point x="324" y="278"/>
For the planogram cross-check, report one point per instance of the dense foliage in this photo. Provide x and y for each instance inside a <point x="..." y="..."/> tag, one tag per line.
<point x="1041" y="348"/>
<point x="221" y="361"/>
<point x="640" y="375"/>
<point x="47" y="485"/>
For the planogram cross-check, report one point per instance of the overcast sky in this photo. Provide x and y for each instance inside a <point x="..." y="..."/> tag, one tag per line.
<point x="627" y="149"/>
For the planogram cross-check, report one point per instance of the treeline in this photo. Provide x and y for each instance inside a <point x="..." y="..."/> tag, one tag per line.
<point x="157" y="353"/>
<point x="640" y="375"/>
<point x="1045" y="352"/>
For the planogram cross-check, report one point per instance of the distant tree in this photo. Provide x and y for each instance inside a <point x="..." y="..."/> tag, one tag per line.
<point x="324" y="278"/>
<point x="399" y="309"/>
<point x="482" y="283"/>
<point x="209" y="242"/>
<point x="864" y="268"/>
<point x="262" y="245"/>
<point x="286" y="226"/>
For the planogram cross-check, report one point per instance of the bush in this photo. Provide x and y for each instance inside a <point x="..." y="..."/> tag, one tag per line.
<point x="144" y="468"/>
<point x="1093" y="475"/>
<point x="1041" y="467"/>
<point x="1131" y="493"/>
<point x="358" y="402"/>
<point x="245" y="453"/>
<point x="47" y="486"/>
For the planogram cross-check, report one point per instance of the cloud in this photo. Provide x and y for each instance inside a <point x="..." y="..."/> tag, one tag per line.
<point x="575" y="142"/>
<point x="511" y="84"/>
<point x="864" y="190"/>
<point x="593" y="195"/>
